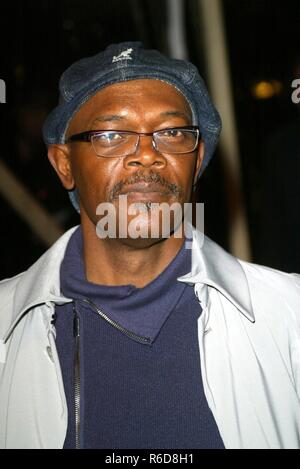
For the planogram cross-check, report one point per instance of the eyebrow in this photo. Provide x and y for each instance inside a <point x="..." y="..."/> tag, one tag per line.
<point x="108" y="118"/>
<point x="174" y="114"/>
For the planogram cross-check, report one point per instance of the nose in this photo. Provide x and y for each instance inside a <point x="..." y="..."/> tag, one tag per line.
<point x="145" y="155"/>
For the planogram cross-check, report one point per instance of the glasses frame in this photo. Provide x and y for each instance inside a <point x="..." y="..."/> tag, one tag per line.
<point x="88" y="135"/>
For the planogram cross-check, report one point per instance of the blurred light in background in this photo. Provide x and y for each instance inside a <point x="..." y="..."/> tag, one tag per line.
<point x="266" y="89"/>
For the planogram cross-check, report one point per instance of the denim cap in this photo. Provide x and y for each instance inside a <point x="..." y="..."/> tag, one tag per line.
<point x="130" y="61"/>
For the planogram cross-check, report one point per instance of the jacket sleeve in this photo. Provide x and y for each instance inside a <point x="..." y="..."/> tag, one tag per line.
<point x="277" y="296"/>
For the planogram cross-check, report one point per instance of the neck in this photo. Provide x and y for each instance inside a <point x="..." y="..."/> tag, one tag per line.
<point x="113" y="262"/>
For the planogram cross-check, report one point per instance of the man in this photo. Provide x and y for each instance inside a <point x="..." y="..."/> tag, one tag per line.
<point x="133" y="340"/>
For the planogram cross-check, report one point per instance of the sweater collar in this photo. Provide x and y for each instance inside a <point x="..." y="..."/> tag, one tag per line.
<point x="141" y="310"/>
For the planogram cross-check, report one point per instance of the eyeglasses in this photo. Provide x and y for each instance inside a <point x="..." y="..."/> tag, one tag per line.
<point x="114" y="143"/>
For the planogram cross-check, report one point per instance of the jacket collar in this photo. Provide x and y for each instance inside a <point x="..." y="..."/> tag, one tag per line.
<point x="40" y="284"/>
<point x="216" y="268"/>
<point x="211" y="265"/>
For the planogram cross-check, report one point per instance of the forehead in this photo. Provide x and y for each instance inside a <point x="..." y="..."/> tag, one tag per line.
<point x="132" y="98"/>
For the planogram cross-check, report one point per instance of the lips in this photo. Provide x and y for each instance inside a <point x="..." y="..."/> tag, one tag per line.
<point x="144" y="188"/>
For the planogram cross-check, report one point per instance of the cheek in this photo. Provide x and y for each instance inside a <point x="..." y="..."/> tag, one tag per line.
<point x="93" y="177"/>
<point x="185" y="170"/>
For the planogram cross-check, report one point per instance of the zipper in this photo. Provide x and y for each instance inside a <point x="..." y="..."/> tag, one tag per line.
<point x="76" y="333"/>
<point x="132" y="335"/>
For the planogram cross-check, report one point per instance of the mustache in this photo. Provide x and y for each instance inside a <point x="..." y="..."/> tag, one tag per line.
<point x="140" y="176"/>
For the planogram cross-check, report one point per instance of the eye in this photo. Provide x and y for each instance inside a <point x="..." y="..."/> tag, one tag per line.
<point x="109" y="138"/>
<point x="171" y="133"/>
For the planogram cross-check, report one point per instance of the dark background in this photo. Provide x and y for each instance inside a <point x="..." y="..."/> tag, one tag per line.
<point x="39" y="39"/>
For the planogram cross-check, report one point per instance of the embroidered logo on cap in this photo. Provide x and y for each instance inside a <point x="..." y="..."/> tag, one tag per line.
<point x="125" y="55"/>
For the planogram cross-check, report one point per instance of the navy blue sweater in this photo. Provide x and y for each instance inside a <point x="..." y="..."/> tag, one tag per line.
<point x="134" y="395"/>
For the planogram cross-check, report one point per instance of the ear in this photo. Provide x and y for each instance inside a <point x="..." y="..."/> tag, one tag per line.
<point x="60" y="158"/>
<point x="200" y="156"/>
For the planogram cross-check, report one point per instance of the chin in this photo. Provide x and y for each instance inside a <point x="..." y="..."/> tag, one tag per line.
<point x="140" y="243"/>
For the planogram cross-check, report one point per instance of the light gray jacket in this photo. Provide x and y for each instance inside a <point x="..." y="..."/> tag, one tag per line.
<point x="249" y="345"/>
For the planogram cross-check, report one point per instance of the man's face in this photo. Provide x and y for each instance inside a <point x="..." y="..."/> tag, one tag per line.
<point x="146" y="176"/>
